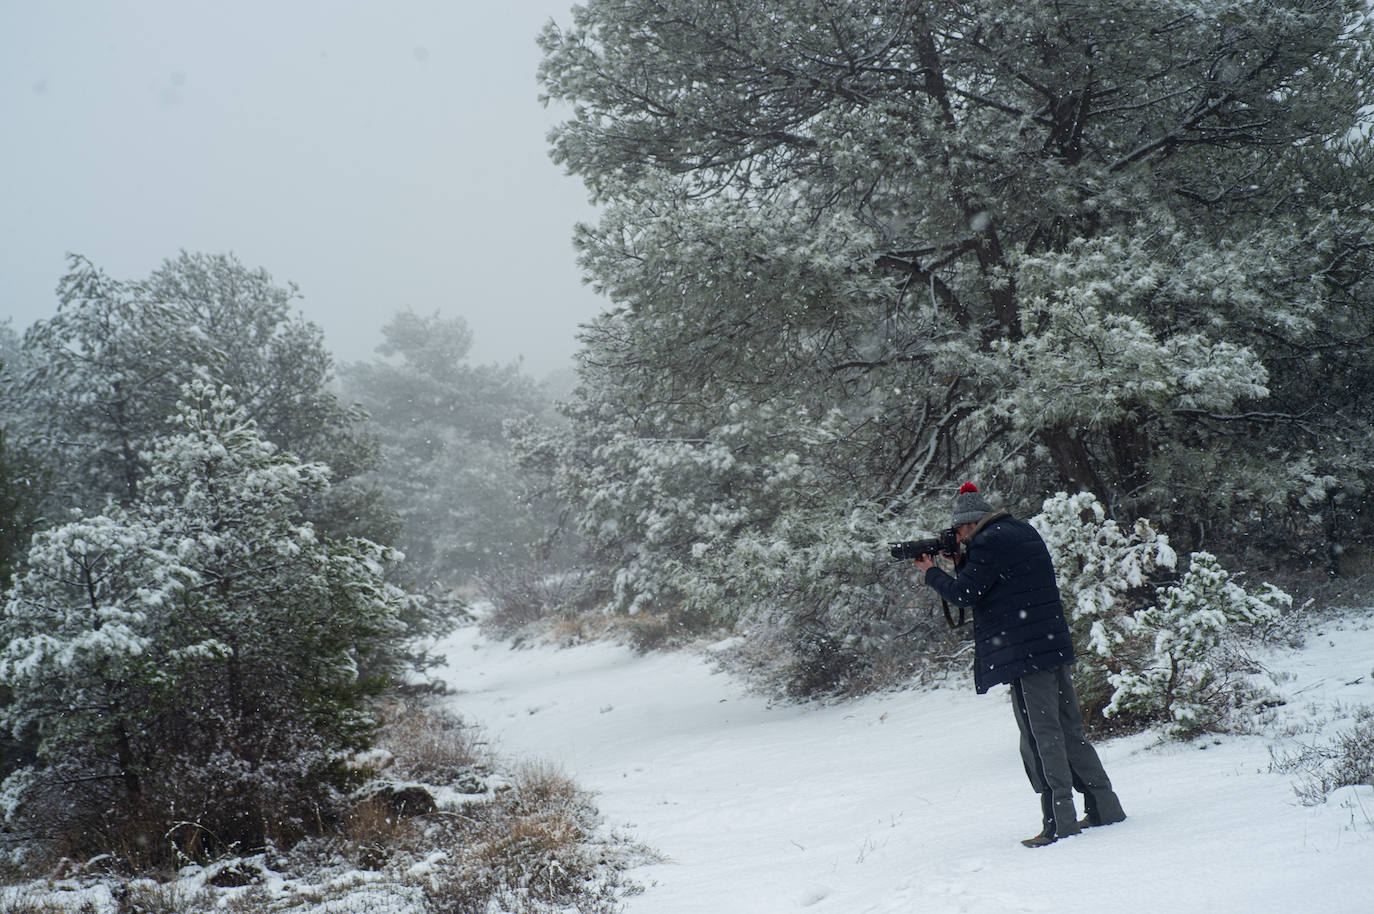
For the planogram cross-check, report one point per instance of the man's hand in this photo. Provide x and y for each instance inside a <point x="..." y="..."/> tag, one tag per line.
<point x="925" y="562"/>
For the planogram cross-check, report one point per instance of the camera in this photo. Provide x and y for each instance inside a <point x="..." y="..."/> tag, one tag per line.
<point x="947" y="543"/>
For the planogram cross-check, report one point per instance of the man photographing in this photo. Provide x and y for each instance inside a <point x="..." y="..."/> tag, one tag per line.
<point x="1021" y="638"/>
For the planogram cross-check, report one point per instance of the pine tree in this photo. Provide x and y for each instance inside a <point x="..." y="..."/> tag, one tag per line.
<point x="1151" y="647"/>
<point x="1105" y="571"/>
<point x="102" y="376"/>
<point x="1084" y="246"/>
<point x="194" y="657"/>
<point x="1179" y="677"/>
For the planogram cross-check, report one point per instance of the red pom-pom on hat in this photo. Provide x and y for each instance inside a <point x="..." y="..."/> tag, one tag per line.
<point x="967" y="487"/>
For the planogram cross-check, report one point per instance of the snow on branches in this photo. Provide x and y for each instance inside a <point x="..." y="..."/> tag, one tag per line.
<point x="1151" y="645"/>
<point x="200" y="653"/>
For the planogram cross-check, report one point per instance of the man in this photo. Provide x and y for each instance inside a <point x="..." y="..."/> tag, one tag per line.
<point x="1021" y="638"/>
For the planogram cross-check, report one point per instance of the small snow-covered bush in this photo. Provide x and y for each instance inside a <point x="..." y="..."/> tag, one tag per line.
<point x="1104" y="572"/>
<point x="522" y="596"/>
<point x="1178" y="678"/>
<point x="536" y="852"/>
<point x="1150" y="650"/>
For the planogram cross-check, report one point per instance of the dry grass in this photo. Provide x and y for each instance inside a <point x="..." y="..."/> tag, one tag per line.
<point x="542" y="786"/>
<point x="433" y="746"/>
<point x="1346" y="761"/>
<point x="526" y="840"/>
<point x="536" y="848"/>
<point x="533" y="843"/>
<point x="147" y="897"/>
<point x="30" y="902"/>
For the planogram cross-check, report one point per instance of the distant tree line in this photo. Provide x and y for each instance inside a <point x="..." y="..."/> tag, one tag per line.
<point x="443" y="423"/>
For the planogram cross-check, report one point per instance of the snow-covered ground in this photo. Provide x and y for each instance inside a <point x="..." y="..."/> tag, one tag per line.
<point x="915" y="801"/>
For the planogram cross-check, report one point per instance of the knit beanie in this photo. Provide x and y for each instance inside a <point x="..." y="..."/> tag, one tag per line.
<point x="969" y="506"/>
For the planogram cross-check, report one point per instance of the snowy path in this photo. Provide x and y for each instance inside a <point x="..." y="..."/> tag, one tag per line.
<point x="914" y="802"/>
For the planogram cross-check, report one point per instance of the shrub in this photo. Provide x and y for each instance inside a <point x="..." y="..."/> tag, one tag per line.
<point x="1150" y="650"/>
<point x="536" y="850"/>
<point x="520" y="597"/>
<point x="433" y="746"/>
<point x="1176" y="677"/>
<point x="1104" y="572"/>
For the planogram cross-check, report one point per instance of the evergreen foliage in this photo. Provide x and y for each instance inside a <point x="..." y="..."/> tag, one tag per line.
<point x="1104" y="571"/>
<point x="1152" y="644"/>
<point x="101" y="377"/>
<point x="22" y="480"/>
<point x="1181" y="678"/>
<point x="860" y="252"/>
<point x="20" y="483"/>
<point x="193" y="665"/>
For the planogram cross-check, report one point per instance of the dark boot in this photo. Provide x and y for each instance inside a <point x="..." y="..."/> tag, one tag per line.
<point x="1047" y="813"/>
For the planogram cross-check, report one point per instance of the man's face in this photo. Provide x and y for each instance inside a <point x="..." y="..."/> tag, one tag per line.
<point x="963" y="530"/>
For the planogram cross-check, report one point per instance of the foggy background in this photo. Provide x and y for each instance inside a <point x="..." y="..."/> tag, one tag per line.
<point x="379" y="155"/>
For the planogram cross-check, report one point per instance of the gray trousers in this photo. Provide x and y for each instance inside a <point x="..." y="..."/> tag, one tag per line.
<point x="1057" y="755"/>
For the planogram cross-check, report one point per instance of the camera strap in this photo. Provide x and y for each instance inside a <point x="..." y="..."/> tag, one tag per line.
<point x="944" y="604"/>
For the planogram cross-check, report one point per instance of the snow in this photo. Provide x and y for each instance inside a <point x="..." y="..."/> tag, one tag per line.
<point x="915" y="800"/>
<point x="909" y="801"/>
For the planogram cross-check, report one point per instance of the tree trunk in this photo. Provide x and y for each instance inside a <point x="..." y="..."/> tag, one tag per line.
<point x="1075" y="464"/>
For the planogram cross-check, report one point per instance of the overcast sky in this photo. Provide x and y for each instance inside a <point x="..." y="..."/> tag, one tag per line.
<point x="381" y="155"/>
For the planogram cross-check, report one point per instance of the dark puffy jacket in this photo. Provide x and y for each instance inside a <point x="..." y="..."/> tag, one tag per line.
<point x="1018" y="619"/>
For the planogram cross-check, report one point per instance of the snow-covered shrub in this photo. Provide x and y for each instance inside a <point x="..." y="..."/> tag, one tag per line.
<point x="520" y="595"/>
<point x="1104" y="572"/>
<point x="1179" y="679"/>
<point x="1149" y="650"/>
<point x="536" y="854"/>
<point x="196" y="656"/>
<point x="431" y="746"/>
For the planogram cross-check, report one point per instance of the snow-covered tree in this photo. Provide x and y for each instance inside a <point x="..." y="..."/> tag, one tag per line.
<point x="1081" y="246"/>
<point x="100" y="378"/>
<point x="447" y="469"/>
<point x="21" y="487"/>
<point x="725" y="524"/>
<point x="23" y="481"/>
<point x="196" y="656"/>
<point x="9" y="346"/>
